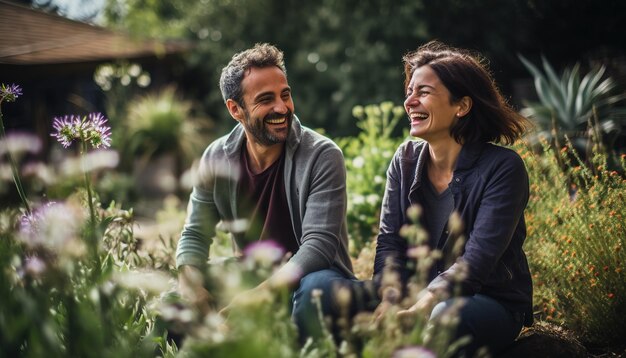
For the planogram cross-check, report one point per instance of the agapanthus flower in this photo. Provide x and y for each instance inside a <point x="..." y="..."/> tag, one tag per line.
<point x="92" y="129"/>
<point x="10" y="93"/>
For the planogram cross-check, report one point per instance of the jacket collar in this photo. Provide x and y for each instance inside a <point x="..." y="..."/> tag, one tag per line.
<point x="469" y="155"/>
<point x="235" y="139"/>
<point x="467" y="158"/>
<point x="422" y="157"/>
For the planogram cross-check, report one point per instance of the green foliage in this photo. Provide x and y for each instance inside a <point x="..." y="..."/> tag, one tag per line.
<point x="367" y="158"/>
<point x="338" y="53"/>
<point x="151" y="18"/>
<point x="53" y="305"/>
<point x="262" y="327"/>
<point x="576" y="241"/>
<point x="120" y="81"/>
<point x="162" y="123"/>
<point x="567" y="102"/>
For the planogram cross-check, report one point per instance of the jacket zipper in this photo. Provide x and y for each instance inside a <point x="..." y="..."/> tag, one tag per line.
<point x="508" y="271"/>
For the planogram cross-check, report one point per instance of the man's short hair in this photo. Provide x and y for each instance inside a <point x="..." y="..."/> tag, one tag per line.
<point x="260" y="56"/>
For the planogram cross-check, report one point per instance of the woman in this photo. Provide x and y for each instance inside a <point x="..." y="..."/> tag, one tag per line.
<point x="455" y="107"/>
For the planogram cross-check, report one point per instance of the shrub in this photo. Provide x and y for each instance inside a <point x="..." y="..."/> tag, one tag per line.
<point x="163" y="123"/>
<point x="576" y="241"/>
<point x="367" y="158"/>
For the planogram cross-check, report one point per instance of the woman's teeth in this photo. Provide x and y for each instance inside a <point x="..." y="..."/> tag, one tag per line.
<point x="418" y="115"/>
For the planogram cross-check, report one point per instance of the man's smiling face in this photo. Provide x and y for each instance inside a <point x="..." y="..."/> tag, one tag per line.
<point x="267" y="105"/>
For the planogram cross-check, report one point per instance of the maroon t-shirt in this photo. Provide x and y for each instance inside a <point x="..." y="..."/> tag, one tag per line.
<point x="263" y="201"/>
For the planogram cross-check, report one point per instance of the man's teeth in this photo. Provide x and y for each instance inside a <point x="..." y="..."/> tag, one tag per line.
<point x="275" y="121"/>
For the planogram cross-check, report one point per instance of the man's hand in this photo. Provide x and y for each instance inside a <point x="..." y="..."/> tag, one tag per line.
<point x="286" y="277"/>
<point x="191" y="288"/>
<point x="258" y="295"/>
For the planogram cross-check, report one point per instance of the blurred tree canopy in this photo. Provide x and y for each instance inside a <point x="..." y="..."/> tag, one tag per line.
<point x="340" y="53"/>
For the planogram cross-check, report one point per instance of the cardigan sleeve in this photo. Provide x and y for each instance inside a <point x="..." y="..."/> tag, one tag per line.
<point x="202" y="216"/>
<point x="391" y="248"/>
<point x="324" y="213"/>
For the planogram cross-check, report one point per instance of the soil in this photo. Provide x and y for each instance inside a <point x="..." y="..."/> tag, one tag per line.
<point x="547" y="340"/>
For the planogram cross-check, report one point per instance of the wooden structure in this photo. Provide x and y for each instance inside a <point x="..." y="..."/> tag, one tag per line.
<point x="53" y="59"/>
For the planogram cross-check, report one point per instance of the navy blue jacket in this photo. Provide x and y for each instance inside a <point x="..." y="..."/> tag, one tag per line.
<point x="490" y="189"/>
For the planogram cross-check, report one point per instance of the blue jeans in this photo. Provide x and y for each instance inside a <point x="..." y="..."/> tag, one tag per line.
<point x="329" y="281"/>
<point x="485" y="320"/>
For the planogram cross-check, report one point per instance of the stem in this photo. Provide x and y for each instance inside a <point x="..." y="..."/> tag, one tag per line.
<point x="92" y="211"/>
<point x="16" y="175"/>
<point x="92" y="234"/>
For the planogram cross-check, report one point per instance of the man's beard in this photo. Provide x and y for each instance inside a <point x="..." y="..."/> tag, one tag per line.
<point x="258" y="129"/>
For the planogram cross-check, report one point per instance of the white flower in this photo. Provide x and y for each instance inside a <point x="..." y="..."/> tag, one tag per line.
<point x="92" y="161"/>
<point x="372" y="199"/>
<point x="358" y="162"/>
<point x="134" y="70"/>
<point x="414" y="352"/>
<point x="40" y="171"/>
<point x="186" y="179"/>
<point x="55" y="226"/>
<point x="235" y="226"/>
<point x="19" y="143"/>
<point x="358" y="199"/>
<point x="154" y="282"/>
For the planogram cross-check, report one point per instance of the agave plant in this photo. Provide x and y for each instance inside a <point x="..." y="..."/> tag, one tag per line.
<point x="568" y="102"/>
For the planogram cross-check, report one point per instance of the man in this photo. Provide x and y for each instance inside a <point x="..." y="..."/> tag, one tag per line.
<point x="271" y="170"/>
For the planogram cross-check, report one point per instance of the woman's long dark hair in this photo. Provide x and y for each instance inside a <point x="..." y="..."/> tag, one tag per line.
<point x="490" y="119"/>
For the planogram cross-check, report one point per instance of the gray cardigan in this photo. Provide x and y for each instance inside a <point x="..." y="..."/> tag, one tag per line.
<point x="315" y="182"/>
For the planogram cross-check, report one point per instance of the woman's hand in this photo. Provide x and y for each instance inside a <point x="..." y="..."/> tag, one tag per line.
<point x="424" y="306"/>
<point x="390" y="296"/>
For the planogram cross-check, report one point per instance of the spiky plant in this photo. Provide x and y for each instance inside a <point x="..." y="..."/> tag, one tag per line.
<point x="566" y="103"/>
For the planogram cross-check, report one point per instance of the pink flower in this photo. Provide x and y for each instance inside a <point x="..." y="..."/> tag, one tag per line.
<point x="264" y="253"/>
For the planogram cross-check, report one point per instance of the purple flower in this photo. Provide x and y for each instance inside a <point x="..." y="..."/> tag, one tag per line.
<point x="10" y="93"/>
<point x="66" y="129"/>
<point x="99" y="133"/>
<point x="92" y="129"/>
